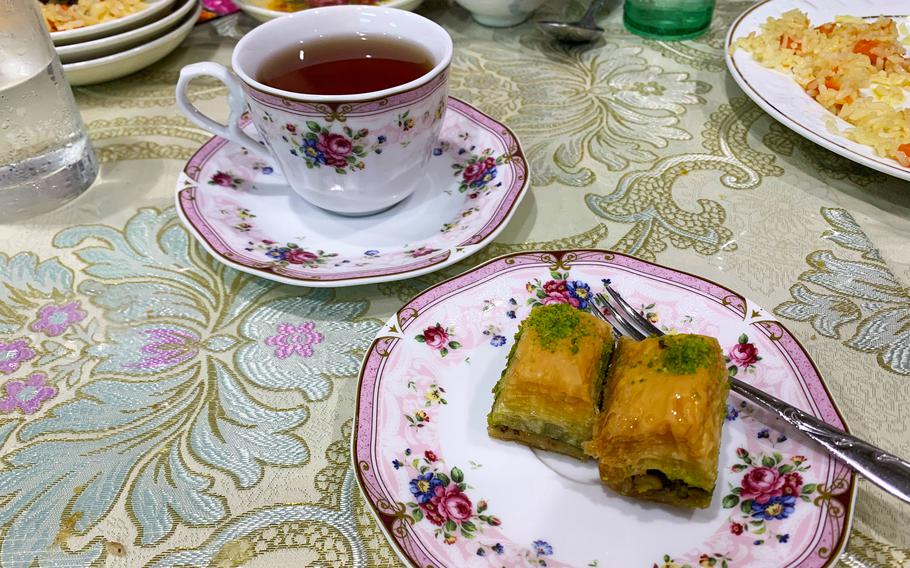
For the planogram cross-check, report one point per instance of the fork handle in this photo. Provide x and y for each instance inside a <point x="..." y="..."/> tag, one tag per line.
<point x="886" y="470"/>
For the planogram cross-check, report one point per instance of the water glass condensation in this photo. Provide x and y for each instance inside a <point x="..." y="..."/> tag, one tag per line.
<point x="46" y="158"/>
<point x="668" y="19"/>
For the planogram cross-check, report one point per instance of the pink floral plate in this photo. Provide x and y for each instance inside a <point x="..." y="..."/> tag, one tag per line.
<point x="449" y="495"/>
<point x="242" y="211"/>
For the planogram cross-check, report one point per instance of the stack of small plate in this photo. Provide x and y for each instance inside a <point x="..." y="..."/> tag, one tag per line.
<point x="116" y="48"/>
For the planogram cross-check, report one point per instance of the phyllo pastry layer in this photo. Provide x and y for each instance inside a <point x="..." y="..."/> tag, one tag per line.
<point x="549" y="393"/>
<point x="658" y="435"/>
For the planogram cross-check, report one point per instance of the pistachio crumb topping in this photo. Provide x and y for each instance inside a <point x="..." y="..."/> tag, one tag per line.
<point x="555" y="323"/>
<point x="685" y="354"/>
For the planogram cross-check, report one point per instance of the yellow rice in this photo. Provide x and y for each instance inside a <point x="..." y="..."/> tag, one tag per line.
<point x="854" y="68"/>
<point x="60" y="17"/>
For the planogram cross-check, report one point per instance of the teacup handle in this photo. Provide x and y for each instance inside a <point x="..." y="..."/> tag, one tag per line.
<point x="236" y="100"/>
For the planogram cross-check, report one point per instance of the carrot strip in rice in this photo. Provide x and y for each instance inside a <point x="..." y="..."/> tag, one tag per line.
<point x="856" y="69"/>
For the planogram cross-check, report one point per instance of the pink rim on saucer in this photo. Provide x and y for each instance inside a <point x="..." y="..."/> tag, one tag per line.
<point x="446" y="494"/>
<point x="237" y="205"/>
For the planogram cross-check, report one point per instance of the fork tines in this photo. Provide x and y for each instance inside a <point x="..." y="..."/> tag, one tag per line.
<point x="622" y="316"/>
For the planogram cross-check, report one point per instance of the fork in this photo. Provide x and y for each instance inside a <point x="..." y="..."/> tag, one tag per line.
<point x="884" y="469"/>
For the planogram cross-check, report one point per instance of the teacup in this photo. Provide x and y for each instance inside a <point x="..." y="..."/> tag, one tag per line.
<point x="351" y="154"/>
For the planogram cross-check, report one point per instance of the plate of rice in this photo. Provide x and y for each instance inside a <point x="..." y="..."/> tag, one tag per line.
<point x="74" y="21"/>
<point x="836" y="72"/>
<point x="264" y="10"/>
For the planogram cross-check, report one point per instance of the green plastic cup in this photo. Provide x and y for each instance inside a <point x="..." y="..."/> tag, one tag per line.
<point x="668" y="19"/>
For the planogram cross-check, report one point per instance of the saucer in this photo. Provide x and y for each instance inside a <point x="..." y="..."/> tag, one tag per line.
<point x="242" y="211"/>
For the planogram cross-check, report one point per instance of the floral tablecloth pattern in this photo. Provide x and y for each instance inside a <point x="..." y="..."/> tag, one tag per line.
<point x="160" y="409"/>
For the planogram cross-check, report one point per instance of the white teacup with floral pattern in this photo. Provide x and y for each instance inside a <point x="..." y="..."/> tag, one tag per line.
<point x="351" y="154"/>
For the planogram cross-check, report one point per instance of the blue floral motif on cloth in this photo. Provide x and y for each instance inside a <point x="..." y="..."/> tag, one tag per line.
<point x="175" y="367"/>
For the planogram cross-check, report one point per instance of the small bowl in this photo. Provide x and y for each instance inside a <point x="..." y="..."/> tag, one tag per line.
<point x="253" y="8"/>
<point x="500" y="13"/>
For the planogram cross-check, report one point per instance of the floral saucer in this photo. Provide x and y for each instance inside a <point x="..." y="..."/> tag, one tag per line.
<point x="242" y="211"/>
<point x="449" y="495"/>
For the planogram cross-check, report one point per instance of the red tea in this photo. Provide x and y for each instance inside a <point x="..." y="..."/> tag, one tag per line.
<point x="345" y="66"/>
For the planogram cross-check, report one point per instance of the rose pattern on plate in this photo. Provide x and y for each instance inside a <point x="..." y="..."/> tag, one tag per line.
<point x="769" y="491"/>
<point x="241" y="217"/>
<point x="540" y="549"/>
<point x="446" y="227"/>
<point x="433" y="396"/>
<point x="735" y="411"/>
<point x="649" y="311"/>
<point x="420" y="251"/>
<point x="263" y="168"/>
<point x="535" y="555"/>
<point x="704" y="561"/>
<point x="442" y="499"/>
<point x="772" y="437"/>
<point x="319" y="146"/>
<point x="478" y="171"/>
<point x="484" y="549"/>
<point x="510" y="308"/>
<point x="746" y="412"/>
<point x="225" y="179"/>
<point x="419" y="419"/>
<point x="290" y="253"/>
<point x="439" y="339"/>
<point x="743" y="355"/>
<point x="494" y="332"/>
<point x="444" y="146"/>
<point x="241" y="220"/>
<point x="560" y="289"/>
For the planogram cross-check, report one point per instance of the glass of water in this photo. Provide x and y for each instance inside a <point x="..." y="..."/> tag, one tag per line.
<point x="668" y="19"/>
<point x="46" y="158"/>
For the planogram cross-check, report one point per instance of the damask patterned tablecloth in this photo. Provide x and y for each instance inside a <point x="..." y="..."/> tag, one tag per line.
<point x="148" y="418"/>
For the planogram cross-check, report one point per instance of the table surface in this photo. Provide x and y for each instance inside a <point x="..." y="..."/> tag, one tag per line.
<point x="144" y="419"/>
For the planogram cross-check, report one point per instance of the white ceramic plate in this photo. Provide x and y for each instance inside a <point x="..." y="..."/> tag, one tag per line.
<point x="781" y="97"/>
<point x="264" y="14"/>
<point x="132" y="60"/>
<point x="449" y="495"/>
<point x="147" y="14"/>
<point x="242" y="211"/>
<point x="110" y="45"/>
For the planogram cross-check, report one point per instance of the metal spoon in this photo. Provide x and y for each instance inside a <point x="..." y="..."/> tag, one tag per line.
<point x="583" y="30"/>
